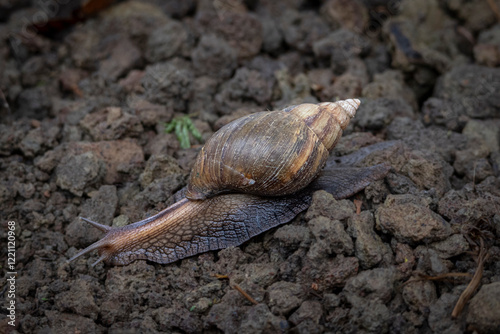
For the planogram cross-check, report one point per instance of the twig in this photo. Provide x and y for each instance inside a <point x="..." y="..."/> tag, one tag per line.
<point x="358" y="204"/>
<point x="220" y="276"/>
<point x="473" y="284"/>
<point x="246" y="295"/>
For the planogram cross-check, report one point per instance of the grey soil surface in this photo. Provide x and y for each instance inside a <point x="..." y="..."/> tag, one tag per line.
<point x="82" y="134"/>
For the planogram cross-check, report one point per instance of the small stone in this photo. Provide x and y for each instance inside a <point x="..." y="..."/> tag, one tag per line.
<point x="258" y="319"/>
<point x="428" y="171"/>
<point x="271" y="35"/>
<point x="169" y="83"/>
<point x="405" y="258"/>
<point x="262" y="274"/>
<point x="76" y="172"/>
<point x="214" y="57"/>
<point x="323" y="204"/>
<point x="444" y="112"/>
<point x="202" y="305"/>
<point x="8" y="191"/>
<point x="160" y="190"/>
<point x="439" y="318"/>
<point x="347" y="14"/>
<point x="283" y="297"/>
<point x="330" y="236"/>
<point x="120" y="221"/>
<point x="225" y="315"/>
<point x="340" y="46"/>
<point x="303" y="29"/>
<point x="474" y="87"/>
<point x="78" y="299"/>
<point x="26" y="190"/>
<point x="452" y="246"/>
<point x="375" y="284"/>
<point x="151" y="114"/>
<point x="135" y="18"/>
<point x="308" y="310"/>
<point x="488" y="132"/>
<point x="370" y="317"/>
<point x="131" y="83"/>
<point x="390" y="84"/>
<point x="12" y="135"/>
<point x="108" y="311"/>
<point x="111" y="123"/>
<point x="330" y="301"/>
<point x="247" y="88"/>
<point x="475" y="15"/>
<point x="293" y="235"/>
<point x="473" y="163"/>
<point x="176" y="317"/>
<point x="376" y="114"/>
<point x="370" y="249"/>
<point x="411" y="221"/>
<point x="419" y="295"/>
<point x="123" y="159"/>
<point x="242" y="31"/>
<point x="487" y="49"/>
<point x="484" y="309"/>
<point x="69" y="79"/>
<point x="123" y="55"/>
<point x="329" y="274"/>
<point x="400" y="184"/>
<point x="34" y="102"/>
<point x="430" y="262"/>
<point x="66" y="322"/>
<point x="32" y="143"/>
<point x="472" y="202"/>
<point x="167" y="41"/>
<point x="157" y="167"/>
<point x="426" y="142"/>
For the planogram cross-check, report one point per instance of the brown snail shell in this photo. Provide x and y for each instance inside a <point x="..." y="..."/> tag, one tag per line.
<point x="270" y="153"/>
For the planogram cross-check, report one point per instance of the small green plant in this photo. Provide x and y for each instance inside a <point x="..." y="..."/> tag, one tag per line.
<point x="183" y="126"/>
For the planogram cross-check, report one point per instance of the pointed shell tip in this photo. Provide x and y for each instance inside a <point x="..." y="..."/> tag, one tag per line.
<point x="350" y="106"/>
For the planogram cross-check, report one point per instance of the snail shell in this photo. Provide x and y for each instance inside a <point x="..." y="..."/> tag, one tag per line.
<point x="270" y="153"/>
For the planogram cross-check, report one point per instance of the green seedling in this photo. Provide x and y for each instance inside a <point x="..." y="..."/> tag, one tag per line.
<point x="183" y="126"/>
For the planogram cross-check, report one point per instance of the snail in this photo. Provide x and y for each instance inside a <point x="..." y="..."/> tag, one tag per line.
<point x="253" y="174"/>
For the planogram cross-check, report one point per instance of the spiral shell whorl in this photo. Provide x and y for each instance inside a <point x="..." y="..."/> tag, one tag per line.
<point x="349" y="106"/>
<point x="327" y="119"/>
<point x="270" y="153"/>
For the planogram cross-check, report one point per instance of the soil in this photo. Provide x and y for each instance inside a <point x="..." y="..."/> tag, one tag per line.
<point x="83" y="113"/>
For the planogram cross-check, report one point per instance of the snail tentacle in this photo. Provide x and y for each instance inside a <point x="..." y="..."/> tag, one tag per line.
<point x="96" y="245"/>
<point x="101" y="227"/>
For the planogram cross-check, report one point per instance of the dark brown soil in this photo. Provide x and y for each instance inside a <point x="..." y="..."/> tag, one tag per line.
<point x="82" y="134"/>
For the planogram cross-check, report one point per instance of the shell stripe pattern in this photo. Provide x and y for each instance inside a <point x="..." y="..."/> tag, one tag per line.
<point x="254" y="160"/>
<point x="270" y="153"/>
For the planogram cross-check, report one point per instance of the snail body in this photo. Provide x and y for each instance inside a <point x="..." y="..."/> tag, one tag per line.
<point x="267" y="162"/>
<point x="270" y="153"/>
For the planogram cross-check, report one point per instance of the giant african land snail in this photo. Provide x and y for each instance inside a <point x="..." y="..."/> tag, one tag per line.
<point x="253" y="174"/>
